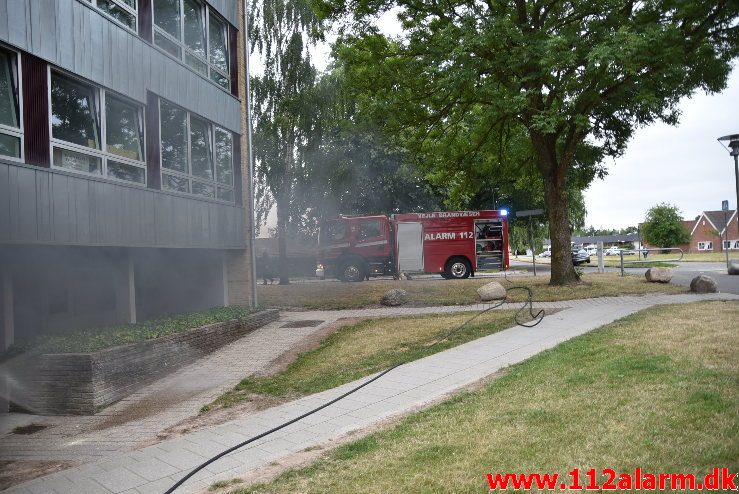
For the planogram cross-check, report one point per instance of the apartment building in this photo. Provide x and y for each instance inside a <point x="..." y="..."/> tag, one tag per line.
<point x="124" y="179"/>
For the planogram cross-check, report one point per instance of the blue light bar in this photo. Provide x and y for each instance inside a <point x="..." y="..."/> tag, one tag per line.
<point x="504" y="212"/>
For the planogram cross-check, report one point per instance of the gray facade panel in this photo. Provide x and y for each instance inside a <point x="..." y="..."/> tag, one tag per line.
<point x="41" y="206"/>
<point x="227" y="8"/>
<point x="73" y="36"/>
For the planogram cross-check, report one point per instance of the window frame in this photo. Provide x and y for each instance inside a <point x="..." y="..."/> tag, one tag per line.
<point x="212" y="129"/>
<point x="7" y="129"/>
<point x="707" y="245"/>
<point x="185" y="50"/>
<point x="121" y="4"/>
<point x="100" y="94"/>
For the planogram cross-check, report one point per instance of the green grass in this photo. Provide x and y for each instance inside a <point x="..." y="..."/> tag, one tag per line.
<point x="336" y="295"/>
<point x="93" y="339"/>
<point x="656" y="390"/>
<point x="362" y="349"/>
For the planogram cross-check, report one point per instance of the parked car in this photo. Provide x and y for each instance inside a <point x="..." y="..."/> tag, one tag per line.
<point x="546" y="253"/>
<point x="612" y="251"/>
<point x="592" y="251"/>
<point x="580" y="257"/>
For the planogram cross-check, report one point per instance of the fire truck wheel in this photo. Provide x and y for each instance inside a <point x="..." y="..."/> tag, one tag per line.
<point x="457" y="268"/>
<point x="352" y="270"/>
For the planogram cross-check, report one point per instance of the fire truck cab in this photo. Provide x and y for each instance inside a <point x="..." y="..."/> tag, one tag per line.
<point x="452" y="244"/>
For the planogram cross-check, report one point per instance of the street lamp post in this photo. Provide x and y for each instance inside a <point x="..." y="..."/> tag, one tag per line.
<point x="733" y="140"/>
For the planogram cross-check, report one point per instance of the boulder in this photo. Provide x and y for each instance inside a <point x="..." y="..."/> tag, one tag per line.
<point x="491" y="291"/>
<point x="394" y="297"/>
<point x="703" y="284"/>
<point x="658" y="275"/>
<point x="734" y="266"/>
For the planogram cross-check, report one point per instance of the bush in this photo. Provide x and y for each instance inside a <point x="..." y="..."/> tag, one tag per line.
<point x="93" y="339"/>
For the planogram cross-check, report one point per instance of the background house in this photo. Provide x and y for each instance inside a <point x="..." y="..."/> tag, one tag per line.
<point x="708" y="232"/>
<point x="124" y="184"/>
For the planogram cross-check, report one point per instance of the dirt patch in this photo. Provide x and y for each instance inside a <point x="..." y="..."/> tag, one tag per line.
<point x="26" y="430"/>
<point x="310" y="454"/>
<point x="16" y="472"/>
<point x="310" y="323"/>
<point x="146" y="407"/>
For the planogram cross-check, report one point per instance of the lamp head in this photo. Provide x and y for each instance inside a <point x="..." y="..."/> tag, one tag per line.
<point x="733" y="143"/>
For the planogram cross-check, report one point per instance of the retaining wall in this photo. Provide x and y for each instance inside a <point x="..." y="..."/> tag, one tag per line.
<point x="84" y="383"/>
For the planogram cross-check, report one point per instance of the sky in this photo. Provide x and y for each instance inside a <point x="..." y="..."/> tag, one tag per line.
<point x="683" y="165"/>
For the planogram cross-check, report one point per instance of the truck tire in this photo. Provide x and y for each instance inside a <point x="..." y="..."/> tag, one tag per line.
<point x="352" y="270"/>
<point x="457" y="268"/>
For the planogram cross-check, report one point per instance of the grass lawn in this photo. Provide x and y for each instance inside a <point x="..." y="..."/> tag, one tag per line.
<point x="656" y="390"/>
<point x="362" y="349"/>
<point x="90" y="340"/>
<point x="337" y="295"/>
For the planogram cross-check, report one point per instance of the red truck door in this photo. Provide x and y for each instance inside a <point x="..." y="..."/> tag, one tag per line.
<point x="409" y="246"/>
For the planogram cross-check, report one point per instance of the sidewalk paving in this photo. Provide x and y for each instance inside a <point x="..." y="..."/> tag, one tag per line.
<point x="138" y="418"/>
<point x="154" y="469"/>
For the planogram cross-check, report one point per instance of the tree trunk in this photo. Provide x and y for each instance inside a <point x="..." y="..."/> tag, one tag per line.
<point x="283" y="210"/>
<point x="555" y="196"/>
<point x="554" y="174"/>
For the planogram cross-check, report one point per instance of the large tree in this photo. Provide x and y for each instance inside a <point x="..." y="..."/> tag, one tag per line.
<point x="567" y="77"/>
<point x="282" y="114"/>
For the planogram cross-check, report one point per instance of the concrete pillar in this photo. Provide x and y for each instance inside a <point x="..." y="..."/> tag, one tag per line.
<point x="8" y="329"/>
<point x="224" y="279"/>
<point x="601" y="265"/>
<point x="238" y="277"/>
<point x="126" y="290"/>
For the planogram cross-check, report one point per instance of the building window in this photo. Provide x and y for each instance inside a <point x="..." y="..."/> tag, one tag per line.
<point x="197" y="156"/>
<point x="96" y="132"/>
<point x="731" y="244"/>
<point x="194" y="34"/>
<point x="121" y="11"/>
<point x="11" y="135"/>
<point x="705" y="245"/>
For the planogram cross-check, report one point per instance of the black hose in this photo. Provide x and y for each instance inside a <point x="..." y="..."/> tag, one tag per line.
<point x="538" y="317"/>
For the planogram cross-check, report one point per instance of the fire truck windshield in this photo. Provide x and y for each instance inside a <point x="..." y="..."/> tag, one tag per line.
<point x="332" y="231"/>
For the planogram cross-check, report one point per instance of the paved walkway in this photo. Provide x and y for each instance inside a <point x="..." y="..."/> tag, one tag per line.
<point x="138" y="418"/>
<point x="156" y="468"/>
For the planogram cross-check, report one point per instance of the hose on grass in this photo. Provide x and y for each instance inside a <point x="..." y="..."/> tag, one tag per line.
<point x="528" y="303"/>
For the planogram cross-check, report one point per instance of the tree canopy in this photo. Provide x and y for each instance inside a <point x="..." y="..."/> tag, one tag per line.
<point x="663" y="226"/>
<point x="534" y="88"/>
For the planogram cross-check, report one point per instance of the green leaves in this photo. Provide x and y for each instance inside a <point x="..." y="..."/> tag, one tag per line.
<point x="663" y="226"/>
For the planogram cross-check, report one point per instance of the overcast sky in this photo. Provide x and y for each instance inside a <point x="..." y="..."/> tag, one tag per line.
<point x="683" y="165"/>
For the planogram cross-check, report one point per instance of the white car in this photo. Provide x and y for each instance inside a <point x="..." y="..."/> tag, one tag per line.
<point x="612" y="251"/>
<point x="546" y="253"/>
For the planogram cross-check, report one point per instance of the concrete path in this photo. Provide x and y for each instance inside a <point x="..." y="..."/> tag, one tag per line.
<point x="156" y="468"/>
<point x="138" y="418"/>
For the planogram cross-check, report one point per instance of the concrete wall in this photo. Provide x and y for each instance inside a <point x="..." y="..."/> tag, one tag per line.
<point x="73" y="384"/>
<point x="56" y="289"/>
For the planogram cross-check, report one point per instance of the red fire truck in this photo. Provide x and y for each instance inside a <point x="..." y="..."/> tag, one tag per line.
<point x="454" y="244"/>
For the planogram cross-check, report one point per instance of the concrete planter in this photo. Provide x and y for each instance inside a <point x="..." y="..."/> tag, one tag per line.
<point x="84" y="383"/>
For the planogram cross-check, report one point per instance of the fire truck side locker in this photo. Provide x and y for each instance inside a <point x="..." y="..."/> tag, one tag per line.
<point x="409" y="246"/>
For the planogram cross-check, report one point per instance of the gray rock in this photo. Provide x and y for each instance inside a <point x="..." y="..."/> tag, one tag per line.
<point x="733" y="266"/>
<point x="491" y="291"/>
<point x="658" y="275"/>
<point x="703" y="284"/>
<point x="394" y="297"/>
